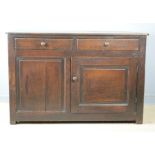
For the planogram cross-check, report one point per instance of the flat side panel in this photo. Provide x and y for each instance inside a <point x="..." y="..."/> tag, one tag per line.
<point x="36" y="43"/>
<point x="141" y="81"/>
<point x="12" y="79"/>
<point x="54" y="86"/>
<point x="31" y="85"/>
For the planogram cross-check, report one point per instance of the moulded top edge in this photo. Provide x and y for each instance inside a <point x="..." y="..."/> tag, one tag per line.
<point x="79" y="33"/>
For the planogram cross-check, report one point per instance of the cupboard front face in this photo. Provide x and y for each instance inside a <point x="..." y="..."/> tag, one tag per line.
<point x="42" y="84"/>
<point x="75" y="77"/>
<point x="103" y="85"/>
<point x="98" y="85"/>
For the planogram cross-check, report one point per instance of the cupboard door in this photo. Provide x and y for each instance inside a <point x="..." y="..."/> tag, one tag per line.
<point x="103" y="85"/>
<point x="42" y="84"/>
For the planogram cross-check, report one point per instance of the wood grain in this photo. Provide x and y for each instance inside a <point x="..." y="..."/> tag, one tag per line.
<point x="104" y="85"/>
<point x="76" y="77"/>
<point x="108" y="44"/>
<point x="35" y="43"/>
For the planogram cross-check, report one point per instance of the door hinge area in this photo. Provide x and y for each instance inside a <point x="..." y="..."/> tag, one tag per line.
<point x="137" y="70"/>
<point x="136" y="99"/>
<point x="135" y="105"/>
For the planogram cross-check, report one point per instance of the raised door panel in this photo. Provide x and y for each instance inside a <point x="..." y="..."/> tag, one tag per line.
<point x="103" y="85"/>
<point x="31" y="77"/>
<point x="41" y="84"/>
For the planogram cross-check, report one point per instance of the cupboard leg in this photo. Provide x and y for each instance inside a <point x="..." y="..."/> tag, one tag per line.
<point x="12" y="122"/>
<point x="139" y="120"/>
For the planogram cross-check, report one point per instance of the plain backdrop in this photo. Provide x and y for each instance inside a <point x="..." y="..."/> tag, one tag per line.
<point x="76" y="16"/>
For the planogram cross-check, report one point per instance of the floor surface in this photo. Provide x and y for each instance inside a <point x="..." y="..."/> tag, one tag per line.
<point x="149" y="114"/>
<point x="77" y="139"/>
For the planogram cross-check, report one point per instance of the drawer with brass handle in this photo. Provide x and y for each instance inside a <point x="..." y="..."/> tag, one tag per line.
<point x="108" y="44"/>
<point x="43" y="43"/>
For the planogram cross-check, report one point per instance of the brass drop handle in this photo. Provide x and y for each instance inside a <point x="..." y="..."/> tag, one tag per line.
<point x="106" y="44"/>
<point x="43" y="43"/>
<point x="74" y="78"/>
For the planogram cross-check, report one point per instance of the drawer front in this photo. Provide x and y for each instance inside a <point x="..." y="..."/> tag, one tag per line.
<point x="108" y="44"/>
<point x="43" y="43"/>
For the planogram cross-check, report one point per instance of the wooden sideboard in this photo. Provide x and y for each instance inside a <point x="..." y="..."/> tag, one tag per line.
<point x="76" y="77"/>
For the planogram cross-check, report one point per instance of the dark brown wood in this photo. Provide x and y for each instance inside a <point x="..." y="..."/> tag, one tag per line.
<point x="76" y="77"/>
<point x="60" y="117"/>
<point x="41" y="84"/>
<point x="12" y="80"/>
<point x="103" y="85"/>
<point x="141" y="81"/>
<point x="43" y="43"/>
<point x="108" y="44"/>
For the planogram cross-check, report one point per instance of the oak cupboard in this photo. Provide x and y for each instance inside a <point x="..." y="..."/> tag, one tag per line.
<point x="76" y="77"/>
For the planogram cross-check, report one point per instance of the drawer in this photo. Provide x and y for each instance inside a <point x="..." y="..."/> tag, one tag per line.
<point x="108" y="44"/>
<point x="43" y="43"/>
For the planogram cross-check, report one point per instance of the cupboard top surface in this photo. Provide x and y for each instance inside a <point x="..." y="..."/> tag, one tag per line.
<point x="83" y="33"/>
